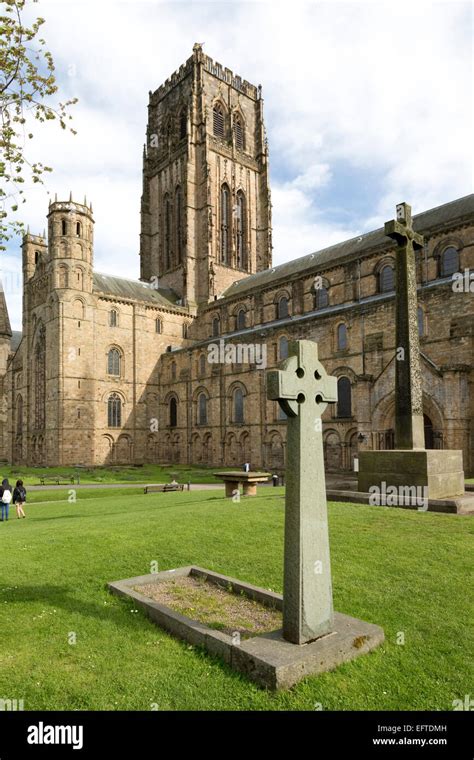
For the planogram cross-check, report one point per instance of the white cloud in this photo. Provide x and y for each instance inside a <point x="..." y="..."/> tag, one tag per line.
<point x="379" y="88"/>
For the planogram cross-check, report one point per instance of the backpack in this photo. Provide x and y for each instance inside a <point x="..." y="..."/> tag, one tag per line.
<point x="7" y="496"/>
<point x="22" y="493"/>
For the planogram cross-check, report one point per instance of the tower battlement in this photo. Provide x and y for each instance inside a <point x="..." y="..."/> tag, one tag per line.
<point x="212" y="67"/>
<point x="70" y="206"/>
<point x="34" y="239"/>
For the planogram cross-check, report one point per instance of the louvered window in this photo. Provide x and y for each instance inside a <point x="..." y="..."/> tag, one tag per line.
<point x="218" y="121"/>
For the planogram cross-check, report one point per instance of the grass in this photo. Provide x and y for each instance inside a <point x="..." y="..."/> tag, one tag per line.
<point x="217" y="607"/>
<point x="405" y="570"/>
<point x="147" y="473"/>
<point x="69" y="495"/>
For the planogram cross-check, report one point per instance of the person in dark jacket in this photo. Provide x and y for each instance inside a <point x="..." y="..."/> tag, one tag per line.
<point x="19" y="498"/>
<point x="5" y="498"/>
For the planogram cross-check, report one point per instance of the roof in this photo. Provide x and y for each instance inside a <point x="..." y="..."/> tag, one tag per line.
<point x="15" y="340"/>
<point x="135" y="290"/>
<point x="423" y="223"/>
<point x="5" y="327"/>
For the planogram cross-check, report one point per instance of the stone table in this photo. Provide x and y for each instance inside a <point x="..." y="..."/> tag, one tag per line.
<point x="249" y="480"/>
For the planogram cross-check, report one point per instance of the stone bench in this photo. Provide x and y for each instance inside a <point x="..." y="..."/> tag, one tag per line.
<point x="163" y="487"/>
<point x="249" y="480"/>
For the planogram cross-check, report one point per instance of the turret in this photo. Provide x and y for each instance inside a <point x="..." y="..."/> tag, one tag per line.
<point x="70" y="237"/>
<point x="34" y="249"/>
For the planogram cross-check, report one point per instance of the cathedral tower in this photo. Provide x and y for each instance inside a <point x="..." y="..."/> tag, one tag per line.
<point x="205" y="210"/>
<point x="70" y="239"/>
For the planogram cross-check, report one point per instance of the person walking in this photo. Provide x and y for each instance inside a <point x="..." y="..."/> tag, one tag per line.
<point x="5" y="498"/>
<point x="19" y="498"/>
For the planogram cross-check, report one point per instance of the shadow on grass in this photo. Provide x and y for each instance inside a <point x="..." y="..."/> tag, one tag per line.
<point x="57" y="517"/>
<point x="61" y="597"/>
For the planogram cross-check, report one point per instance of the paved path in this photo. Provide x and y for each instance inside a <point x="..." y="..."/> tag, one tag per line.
<point x="78" y="486"/>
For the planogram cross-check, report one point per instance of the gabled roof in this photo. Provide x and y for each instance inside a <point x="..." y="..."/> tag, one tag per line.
<point x="135" y="290"/>
<point x="424" y="223"/>
<point x="5" y="327"/>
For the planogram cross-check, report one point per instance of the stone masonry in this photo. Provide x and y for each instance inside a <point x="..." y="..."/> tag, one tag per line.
<point x="110" y="370"/>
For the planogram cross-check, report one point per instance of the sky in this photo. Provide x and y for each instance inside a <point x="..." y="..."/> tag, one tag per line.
<point x="367" y="104"/>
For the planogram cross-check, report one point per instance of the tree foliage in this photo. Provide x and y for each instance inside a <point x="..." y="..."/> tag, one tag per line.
<point x="27" y="87"/>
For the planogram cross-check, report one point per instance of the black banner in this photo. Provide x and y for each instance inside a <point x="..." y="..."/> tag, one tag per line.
<point x="382" y="734"/>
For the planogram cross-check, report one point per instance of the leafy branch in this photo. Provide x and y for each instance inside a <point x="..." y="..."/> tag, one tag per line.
<point x="27" y="84"/>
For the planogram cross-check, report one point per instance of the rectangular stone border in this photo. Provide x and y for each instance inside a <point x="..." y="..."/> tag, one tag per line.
<point x="458" y="505"/>
<point x="268" y="659"/>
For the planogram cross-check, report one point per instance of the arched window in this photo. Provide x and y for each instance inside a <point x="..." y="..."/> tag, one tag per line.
<point x="113" y="318"/>
<point x="238" y="405"/>
<point x="202" y="364"/>
<point x="114" y="411"/>
<point x="63" y="227"/>
<point x="113" y="362"/>
<point x="202" y="409"/>
<point x="225" y="224"/>
<point x="282" y="308"/>
<point x="216" y="327"/>
<point x="341" y="337"/>
<point x="173" y="370"/>
<point x="386" y="279"/>
<point x="158" y="325"/>
<point x="167" y="230"/>
<point x="218" y="121"/>
<point x="178" y="217"/>
<point x="78" y="229"/>
<point x="239" y="132"/>
<point x="185" y="329"/>
<point x="183" y="126"/>
<point x="173" y="412"/>
<point x="240" y="231"/>
<point x="321" y="298"/>
<point x="37" y="255"/>
<point x="241" y="319"/>
<point x="283" y="348"/>
<point x="40" y="379"/>
<point x="421" y="321"/>
<point x="344" y="400"/>
<point x="449" y="262"/>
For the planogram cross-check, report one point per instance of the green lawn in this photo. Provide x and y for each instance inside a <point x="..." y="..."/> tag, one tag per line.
<point x="408" y="571"/>
<point x="148" y="473"/>
<point x="70" y="495"/>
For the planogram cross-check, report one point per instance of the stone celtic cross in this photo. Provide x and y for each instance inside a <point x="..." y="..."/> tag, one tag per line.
<point x="409" y="429"/>
<point x="303" y="390"/>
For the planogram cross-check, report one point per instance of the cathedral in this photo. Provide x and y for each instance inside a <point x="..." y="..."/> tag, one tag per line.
<point x="171" y="367"/>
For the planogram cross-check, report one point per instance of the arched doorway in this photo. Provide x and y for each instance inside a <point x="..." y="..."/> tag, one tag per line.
<point x="429" y="434"/>
<point x="333" y="451"/>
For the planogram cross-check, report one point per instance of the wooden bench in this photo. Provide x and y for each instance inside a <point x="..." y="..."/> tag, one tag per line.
<point x="44" y="480"/>
<point x="163" y="487"/>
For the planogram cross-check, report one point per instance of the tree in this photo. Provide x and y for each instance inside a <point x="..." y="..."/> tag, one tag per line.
<point x="27" y="84"/>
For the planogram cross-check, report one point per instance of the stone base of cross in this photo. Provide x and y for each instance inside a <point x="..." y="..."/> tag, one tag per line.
<point x="303" y="390"/>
